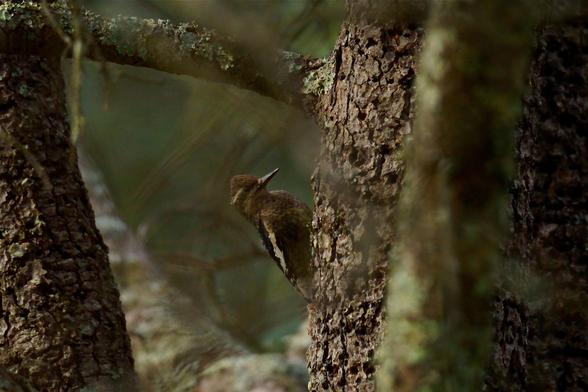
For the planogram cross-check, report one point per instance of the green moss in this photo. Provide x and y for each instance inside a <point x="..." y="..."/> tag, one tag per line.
<point x="319" y="81"/>
<point x="292" y="60"/>
<point x="17" y="250"/>
<point x="202" y="45"/>
<point x="24" y="90"/>
<point x="188" y="40"/>
<point x="29" y="14"/>
<point x="118" y="33"/>
<point x="88" y="329"/>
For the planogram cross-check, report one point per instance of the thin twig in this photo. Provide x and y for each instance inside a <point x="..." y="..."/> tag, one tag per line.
<point x="76" y="45"/>
<point x="54" y="24"/>
<point x="77" y="119"/>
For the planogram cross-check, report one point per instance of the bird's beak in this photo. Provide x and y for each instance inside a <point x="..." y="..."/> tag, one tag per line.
<point x="265" y="179"/>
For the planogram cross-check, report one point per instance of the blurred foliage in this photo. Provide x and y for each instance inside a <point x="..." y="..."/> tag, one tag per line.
<point x="167" y="146"/>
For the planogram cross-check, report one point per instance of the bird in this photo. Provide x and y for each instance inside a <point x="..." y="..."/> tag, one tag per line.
<point x="283" y="222"/>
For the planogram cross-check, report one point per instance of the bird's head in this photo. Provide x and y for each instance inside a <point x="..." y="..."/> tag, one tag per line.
<point x="245" y="189"/>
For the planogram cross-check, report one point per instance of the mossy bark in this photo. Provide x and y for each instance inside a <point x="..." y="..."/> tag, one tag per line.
<point x="453" y="214"/>
<point x="61" y="323"/>
<point x="182" y="48"/>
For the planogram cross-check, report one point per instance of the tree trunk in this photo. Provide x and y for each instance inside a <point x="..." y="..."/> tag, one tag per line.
<point x="365" y="116"/>
<point x="61" y="323"/>
<point x="364" y="124"/>
<point x="452" y="217"/>
<point x="541" y="319"/>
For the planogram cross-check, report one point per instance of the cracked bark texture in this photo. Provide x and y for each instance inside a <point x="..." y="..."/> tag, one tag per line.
<point x="541" y="318"/>
<point x="365" y="117"/>
<point x="61" y="323"/>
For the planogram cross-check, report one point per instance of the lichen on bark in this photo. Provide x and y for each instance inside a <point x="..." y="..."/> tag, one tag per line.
<point x="183" y="48"/>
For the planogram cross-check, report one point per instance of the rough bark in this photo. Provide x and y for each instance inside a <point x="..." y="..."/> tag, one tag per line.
<point x="61" y="323"/>
<point x="365" y="112"/>
<point x="365" y="117"/>
<point x="540" y="316"/>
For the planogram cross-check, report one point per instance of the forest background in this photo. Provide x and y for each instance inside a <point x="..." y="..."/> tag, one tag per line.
<point x="483" y="250"/>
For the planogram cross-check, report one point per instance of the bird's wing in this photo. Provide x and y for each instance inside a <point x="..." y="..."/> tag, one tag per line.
<point x="278" y="251"/>
<point x="273" y="247"/>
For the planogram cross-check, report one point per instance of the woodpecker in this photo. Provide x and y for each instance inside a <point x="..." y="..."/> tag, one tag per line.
<point x="283" y="222"/>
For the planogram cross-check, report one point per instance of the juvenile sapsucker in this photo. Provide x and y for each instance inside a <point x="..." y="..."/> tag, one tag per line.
<point x="283" y="222"/>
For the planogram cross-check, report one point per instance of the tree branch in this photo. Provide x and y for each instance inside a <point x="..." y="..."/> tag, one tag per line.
<point x="190" y="49"/>
<point x="183" y="48"/>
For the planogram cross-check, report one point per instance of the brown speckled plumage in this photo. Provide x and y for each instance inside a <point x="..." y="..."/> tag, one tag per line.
<point x="283" y="222"/>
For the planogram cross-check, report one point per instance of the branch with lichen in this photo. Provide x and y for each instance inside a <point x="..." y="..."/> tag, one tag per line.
<point x="180" y="48"/>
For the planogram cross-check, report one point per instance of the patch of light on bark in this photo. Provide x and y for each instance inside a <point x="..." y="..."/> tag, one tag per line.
<point x="407" y="331"/>
<point x="433" y="67"/>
